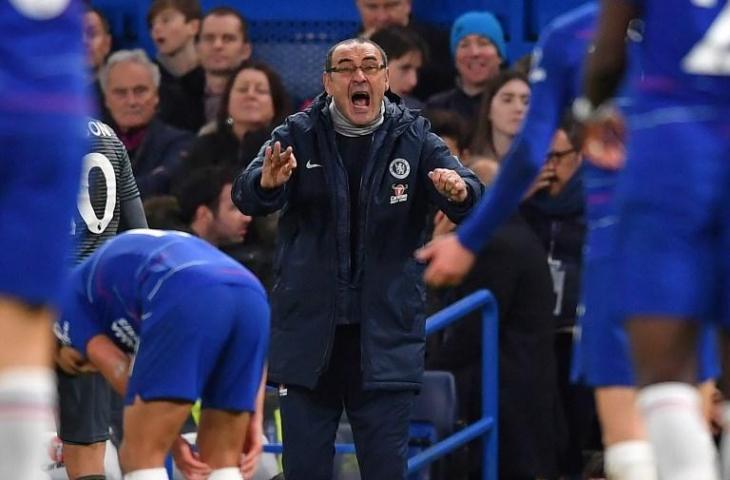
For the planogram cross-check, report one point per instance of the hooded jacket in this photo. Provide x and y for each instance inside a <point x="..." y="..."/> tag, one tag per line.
<point x="314" y="283"/>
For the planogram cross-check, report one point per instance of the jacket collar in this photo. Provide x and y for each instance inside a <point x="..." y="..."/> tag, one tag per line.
<point x="395" y="109"/>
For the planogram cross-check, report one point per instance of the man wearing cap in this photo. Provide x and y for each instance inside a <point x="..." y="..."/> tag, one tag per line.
<point x="478" y="48"/>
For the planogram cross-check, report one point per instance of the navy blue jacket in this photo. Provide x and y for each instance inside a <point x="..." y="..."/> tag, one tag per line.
<point x="314" y="284"/>
<point x="157" y="160"/>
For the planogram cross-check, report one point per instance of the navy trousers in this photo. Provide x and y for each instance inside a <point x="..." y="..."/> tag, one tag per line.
<point x="379" y="419"/>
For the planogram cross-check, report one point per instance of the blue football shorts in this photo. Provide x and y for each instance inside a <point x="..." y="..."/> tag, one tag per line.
<point x="672" y="240"/>
<point x="208" y="342"/>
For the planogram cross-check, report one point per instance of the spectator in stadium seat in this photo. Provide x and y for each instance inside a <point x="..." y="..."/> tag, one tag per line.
<point x="174" y="27"/>
<point x="206" y="209"/>
<point x="130" y="83"/>
<point x="348" y="303"/>
<point x="223" y="45"/>
<point x="254" y="100"/>
<point x="478" y="49"/>
<point x="555" y="209"/>
<point x="98" y="43"/>
<point x="503" y="108"/>
<point x="206" y="206"/>
<point x="438" y="73"/>
<point x="407" y="52"/>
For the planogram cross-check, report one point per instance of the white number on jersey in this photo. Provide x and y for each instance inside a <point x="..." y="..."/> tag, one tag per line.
<point x="86" y="209"/>
<point x="711" y="55"/>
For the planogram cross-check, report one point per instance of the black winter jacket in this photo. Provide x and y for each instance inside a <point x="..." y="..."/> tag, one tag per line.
<point x="314" y="284"/>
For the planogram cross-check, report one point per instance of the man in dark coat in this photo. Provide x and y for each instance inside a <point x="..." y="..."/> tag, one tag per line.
<point x="348" y="300"/>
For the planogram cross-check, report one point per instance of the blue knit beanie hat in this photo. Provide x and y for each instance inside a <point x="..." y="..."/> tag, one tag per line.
<point x="478" y="23"/>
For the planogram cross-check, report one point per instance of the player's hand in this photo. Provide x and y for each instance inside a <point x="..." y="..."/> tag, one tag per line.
<point x="278" y="166"/>
<point x="72" y="362"/>
<point x="605" y="137"/>
<point x="449" y="184"/>
<point x="253" y="447"/>
<point x="448" y="261"/>
<point x="188" y="461"/>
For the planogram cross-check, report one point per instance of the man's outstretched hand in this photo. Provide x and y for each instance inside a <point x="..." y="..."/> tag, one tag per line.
<point x="278" y="166"/>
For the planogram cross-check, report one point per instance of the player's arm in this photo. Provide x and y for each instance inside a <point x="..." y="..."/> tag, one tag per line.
<point x="110" y="360"/>
<point x="607" y="63"/>
<point x="253" y="447"/>
<point x="131" y="209"/>
<point x="132" y="215"/>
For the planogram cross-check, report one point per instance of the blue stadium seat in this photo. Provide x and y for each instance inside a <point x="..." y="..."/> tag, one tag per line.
<point x="436" y="404"/>
<point x="433" y="419"/>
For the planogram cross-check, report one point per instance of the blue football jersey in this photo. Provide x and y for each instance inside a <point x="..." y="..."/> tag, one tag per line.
<point x="42" y="59"/>
<point x="43" y="107"/>
<point x="113" y="290"/>
<point x="685" y="48"/>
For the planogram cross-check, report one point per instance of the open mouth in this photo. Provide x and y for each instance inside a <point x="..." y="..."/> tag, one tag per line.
<point x="361" y="100"/>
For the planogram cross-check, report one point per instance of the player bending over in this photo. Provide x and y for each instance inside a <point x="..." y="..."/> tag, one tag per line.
<point x="197" y="325"/>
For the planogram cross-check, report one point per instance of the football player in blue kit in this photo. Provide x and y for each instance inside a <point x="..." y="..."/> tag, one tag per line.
<point x="43" y="110"/>
<point x="167" y="319"/>
<point x="602" y="357"/>
<point x="673" y="207"/>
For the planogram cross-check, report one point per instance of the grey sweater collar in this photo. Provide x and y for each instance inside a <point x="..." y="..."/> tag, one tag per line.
<point x="345" y="127"/>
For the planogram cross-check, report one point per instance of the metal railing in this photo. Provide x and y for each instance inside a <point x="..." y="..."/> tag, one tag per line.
<point x="487" y="426"/>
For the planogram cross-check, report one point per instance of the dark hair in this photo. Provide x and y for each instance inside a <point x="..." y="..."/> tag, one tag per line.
<point x="225" y="11"/>
<point x="360" y="40"/>
<point x="279" y="98"/>
<point x="189" y="8"/>
<point x="447" y="123"/>
<point x="102" y="18"/>
<point x="202" y="186"/>
<point x="398" y="41"/>
<point x="574" y="129"/>
<point x="163" y="213"/>
<point x="482" y="142"/>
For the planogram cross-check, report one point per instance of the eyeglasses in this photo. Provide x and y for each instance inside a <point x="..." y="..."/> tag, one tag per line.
<point x="556" y="156"/>
<point x="369" y="69"/>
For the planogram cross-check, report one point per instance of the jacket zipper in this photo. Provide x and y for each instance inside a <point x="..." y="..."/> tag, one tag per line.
<point x="387" y="147"/>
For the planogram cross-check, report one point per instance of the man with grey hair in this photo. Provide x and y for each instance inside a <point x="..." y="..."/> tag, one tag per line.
<point x="130" y="82"/>
<point x="348" y="302"/>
